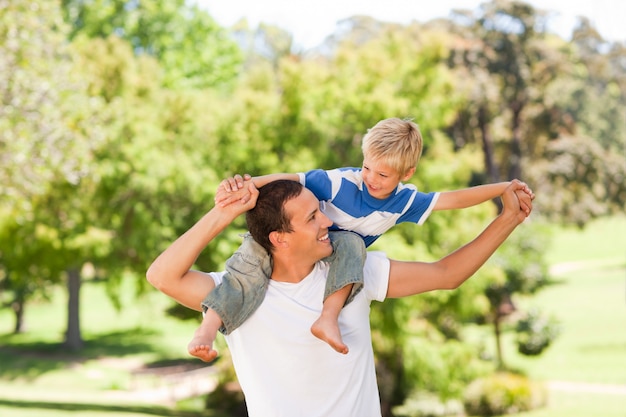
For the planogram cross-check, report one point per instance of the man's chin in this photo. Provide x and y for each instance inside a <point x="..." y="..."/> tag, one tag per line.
<point x="329" y="250"/>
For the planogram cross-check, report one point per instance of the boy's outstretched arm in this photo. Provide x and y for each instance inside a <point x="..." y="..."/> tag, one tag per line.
<point x="232" y="189"/>
<point x="468" y="197"/>
<point x="410" y="278"/>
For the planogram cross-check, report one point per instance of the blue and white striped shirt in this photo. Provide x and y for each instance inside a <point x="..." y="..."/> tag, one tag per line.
<point x="345" y="200"/>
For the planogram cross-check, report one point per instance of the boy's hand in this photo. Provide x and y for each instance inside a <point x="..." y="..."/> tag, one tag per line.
<point x="235" y="182"/>
<point x="512" y="199"/>
<point x="233" y="189"/>
<point x="525" y="196"/>
<point x="245" y="200"/>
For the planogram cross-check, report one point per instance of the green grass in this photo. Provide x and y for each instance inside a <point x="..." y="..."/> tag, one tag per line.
<point x="12" y="408"/>
<point x="580" y="404"/>
<point x="591" y="307"/>
<point x="601" y="240"/>
<point x="589" y="301"/>
<point x="39" y="378"/>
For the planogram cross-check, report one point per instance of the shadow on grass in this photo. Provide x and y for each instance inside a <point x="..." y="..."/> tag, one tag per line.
<point x="74" y="407"/>
<point x="30" y="360"/>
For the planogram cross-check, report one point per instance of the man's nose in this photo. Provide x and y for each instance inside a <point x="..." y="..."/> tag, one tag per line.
<point x="327" y="221"/>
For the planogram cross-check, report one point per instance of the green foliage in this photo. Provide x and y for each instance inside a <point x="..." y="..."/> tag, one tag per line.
<point x="43" y="112"/>
<point x="522" y="260"/>
<point x="503" y="394"/>
<point x="194" y="52"/>
<point x="583" y="180"/>
<point x="522" y="271"/>
<point x="535" y="333"/>
<point x="444" y="367"/>
<point x="427" y="405"/>
<point x="600" y="88"/>
<point x="115" y="132"/>
<point x="47" y="140"/>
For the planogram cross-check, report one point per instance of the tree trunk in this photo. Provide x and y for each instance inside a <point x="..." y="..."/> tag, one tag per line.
<point x="496" y="325"/>
<point x="489" y="158"/>
<point x="515" y="167"/>
<point x="18" y="310"/>
<point x="73" y="338"/>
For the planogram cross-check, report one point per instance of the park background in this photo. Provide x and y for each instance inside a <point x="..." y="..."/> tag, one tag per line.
<point x="118" y="119"/>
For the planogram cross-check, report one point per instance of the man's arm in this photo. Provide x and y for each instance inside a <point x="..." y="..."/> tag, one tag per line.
<point x="409" y="278"/>
<point x="171" y="271"/>
<point x="468" y="197"/>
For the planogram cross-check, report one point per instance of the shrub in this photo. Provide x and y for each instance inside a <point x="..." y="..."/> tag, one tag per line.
<point x="503" y="393"/>
<point x="535" y="333"/>
<point x="423" y="404"/>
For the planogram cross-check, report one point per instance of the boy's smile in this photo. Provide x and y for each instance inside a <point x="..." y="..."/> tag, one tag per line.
<point x="380" y="179"/>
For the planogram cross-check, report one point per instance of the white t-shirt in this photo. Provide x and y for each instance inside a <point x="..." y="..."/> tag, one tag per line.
<point x="285" y="371"/>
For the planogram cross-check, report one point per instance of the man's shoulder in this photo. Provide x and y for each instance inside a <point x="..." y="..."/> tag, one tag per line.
<point x="376" y="275"/>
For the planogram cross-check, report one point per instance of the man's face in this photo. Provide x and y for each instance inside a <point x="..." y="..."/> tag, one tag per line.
<point x="309" y="237"/>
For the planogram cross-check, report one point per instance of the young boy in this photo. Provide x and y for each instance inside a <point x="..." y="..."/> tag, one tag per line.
<point x="365" y="201"/>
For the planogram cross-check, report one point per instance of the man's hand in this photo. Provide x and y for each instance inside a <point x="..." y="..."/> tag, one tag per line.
<point x="525" y="197"/>
<point x="235" y="182"/>
<point x="517" y="200"/>
<point x="240" y="201"/>
<point x="233" y="189"/>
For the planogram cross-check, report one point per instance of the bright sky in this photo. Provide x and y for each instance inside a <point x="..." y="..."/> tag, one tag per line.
<point x="310" y="21"/>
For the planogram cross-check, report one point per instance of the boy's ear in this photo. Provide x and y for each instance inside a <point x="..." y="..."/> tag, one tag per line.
<point x="408" y="174"/>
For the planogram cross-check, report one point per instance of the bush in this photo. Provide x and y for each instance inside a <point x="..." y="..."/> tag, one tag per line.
<point x="428" y="405"/>
<point x="502" y="393"/>
<point x="535" y="333"/>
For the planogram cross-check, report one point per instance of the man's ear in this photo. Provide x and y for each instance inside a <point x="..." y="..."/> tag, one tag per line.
<point x="278" y="239"/>
<point x="408" y="174"/>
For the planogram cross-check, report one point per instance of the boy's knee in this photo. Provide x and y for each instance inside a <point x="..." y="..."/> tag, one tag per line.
<point x="348" y="241"/>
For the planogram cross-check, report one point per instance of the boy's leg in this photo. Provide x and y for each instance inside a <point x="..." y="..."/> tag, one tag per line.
<point x="326" y="327"/>
<point x="201" y="346"/>
<point x="241" y="292"/>
<point x="344" y="281"/>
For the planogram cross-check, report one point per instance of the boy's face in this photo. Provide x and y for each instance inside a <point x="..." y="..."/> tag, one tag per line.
<point x="380" y="179"/>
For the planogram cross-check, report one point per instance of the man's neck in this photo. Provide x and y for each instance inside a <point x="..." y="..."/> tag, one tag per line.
<point x="287" y="270"/>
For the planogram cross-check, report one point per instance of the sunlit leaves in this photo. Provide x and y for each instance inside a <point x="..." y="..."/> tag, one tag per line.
<point x="193" y="50"/>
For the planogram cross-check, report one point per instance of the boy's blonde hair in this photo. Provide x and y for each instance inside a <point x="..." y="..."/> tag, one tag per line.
<point x="396" y="142"/>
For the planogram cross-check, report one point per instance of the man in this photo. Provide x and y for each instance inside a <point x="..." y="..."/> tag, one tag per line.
<point x="283" y="369"/>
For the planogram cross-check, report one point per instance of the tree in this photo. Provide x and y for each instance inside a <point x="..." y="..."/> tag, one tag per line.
<point x="581" y="166"/>
<point x="527" y="89"/>
<point x="46" y="137"/>
<point x="194" y="52"/>
<point x="599" y="87"/>
<point x="523" y="271"/>
<point x="506" y="51"/>
<point x="584" y="181"/>
<point x="149" y="165"/>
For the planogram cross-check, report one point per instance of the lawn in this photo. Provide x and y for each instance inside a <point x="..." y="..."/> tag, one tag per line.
<point x="586" y="366"/>
<point x="38" y="378"/>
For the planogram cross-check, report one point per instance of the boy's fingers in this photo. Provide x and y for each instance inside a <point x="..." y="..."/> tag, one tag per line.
<point x="238" y="181"/>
